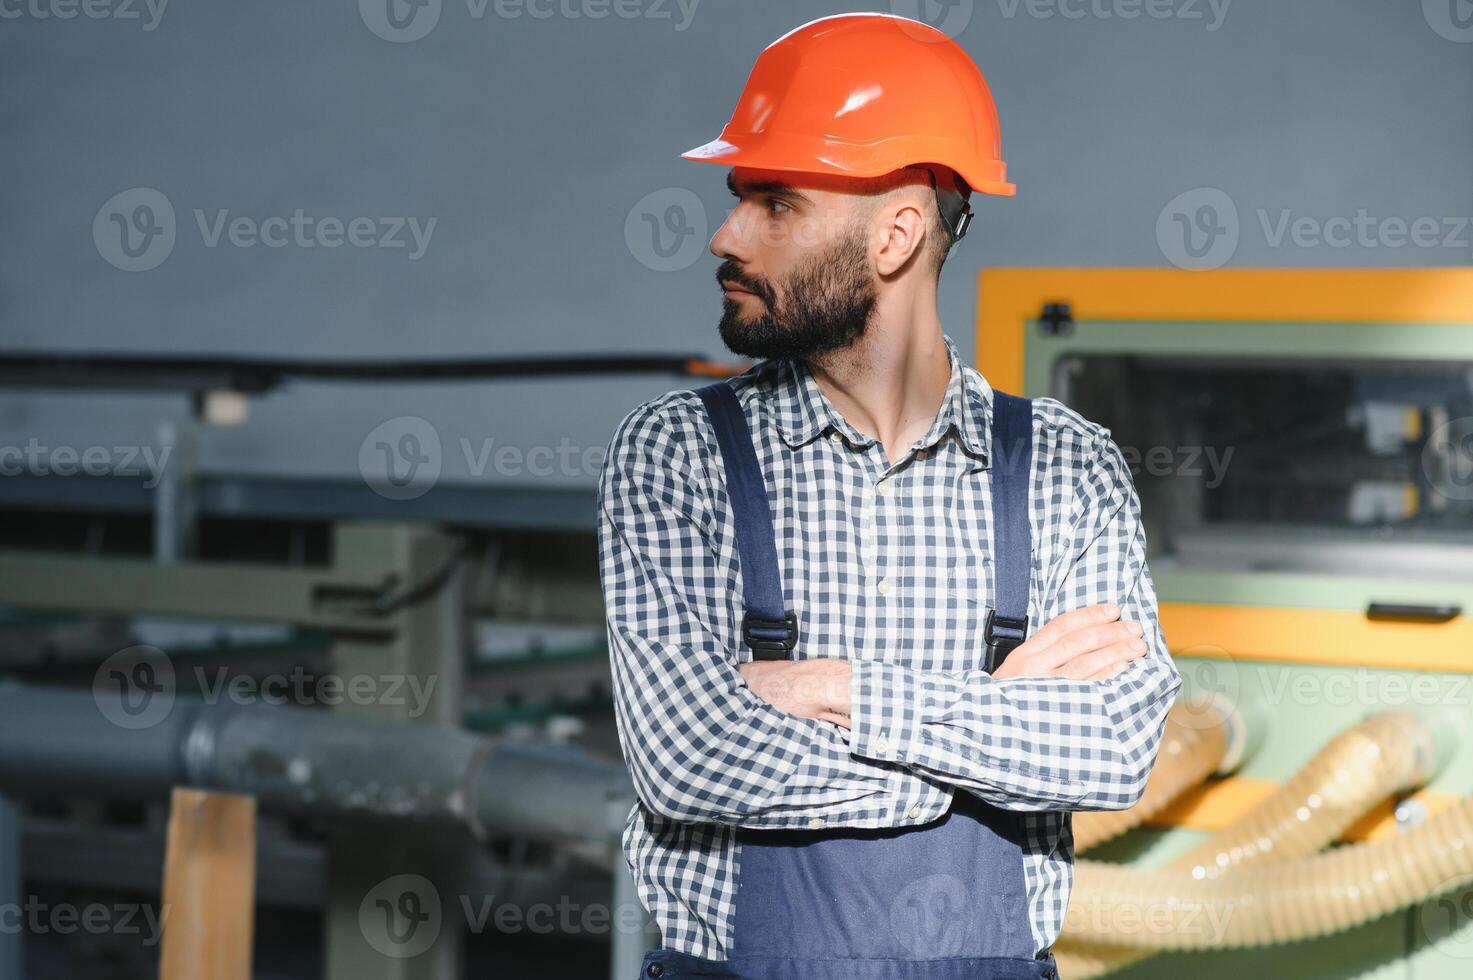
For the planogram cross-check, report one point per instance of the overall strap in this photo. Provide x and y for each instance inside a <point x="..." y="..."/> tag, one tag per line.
<point x="767" y="627"/>
<point x="1010" y="468"/>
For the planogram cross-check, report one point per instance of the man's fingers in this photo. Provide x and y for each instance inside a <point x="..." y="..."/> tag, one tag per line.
<point x="1108" y="672"/>
<point x="1087" y="666"/>
<point x="841" y="720"/>
<point x="1060" y="626"/>
<point x="1085" y="641"/>
<point x="1113" y="669"/>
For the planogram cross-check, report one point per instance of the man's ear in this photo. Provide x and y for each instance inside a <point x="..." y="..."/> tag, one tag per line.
<point x="902" y="231"/>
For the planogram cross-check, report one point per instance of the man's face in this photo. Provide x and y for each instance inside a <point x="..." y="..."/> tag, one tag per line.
<point x="797" y="253"/>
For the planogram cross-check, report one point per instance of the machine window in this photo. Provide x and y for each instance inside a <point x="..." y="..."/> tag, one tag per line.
<point x="1353" y="467"/>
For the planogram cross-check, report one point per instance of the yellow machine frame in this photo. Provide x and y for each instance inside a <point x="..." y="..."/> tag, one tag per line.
<point x="1009" y="299"/>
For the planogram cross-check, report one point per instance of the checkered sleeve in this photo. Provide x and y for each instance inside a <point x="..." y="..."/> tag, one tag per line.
<point x="700" y="745"/>
<point x="1042" y="743"/>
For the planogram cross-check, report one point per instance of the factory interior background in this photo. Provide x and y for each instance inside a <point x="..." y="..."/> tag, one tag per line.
<point x="316" y="321"/>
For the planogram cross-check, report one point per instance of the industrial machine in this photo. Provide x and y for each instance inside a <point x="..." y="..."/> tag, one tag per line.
<point x="411" y="688"/>
<point x="1302" y="443"/>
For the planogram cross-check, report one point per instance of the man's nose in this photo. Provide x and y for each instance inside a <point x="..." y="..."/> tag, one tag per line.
<point x="732" y="240"/>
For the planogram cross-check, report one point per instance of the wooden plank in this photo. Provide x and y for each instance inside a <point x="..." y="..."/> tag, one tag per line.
<point x="209" y="887"/>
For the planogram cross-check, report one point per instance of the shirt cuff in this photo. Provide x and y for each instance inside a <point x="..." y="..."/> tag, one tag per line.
<point x="885" y="710"/>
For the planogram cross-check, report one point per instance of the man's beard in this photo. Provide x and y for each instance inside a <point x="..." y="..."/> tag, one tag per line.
<point x="826" y="306"/>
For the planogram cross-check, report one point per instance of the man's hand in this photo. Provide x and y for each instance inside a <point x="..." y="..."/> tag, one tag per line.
<point x="1088" y="644"/>
<point x="817" y="688"/>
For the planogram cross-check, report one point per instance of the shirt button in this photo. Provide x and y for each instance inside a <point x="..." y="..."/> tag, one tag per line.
<point x="882" y="744"/>
<point x="883" y="487"/>
<point x="914" y="813"/>
<point x="884" y="586"/>
<point x="815" y="822"/>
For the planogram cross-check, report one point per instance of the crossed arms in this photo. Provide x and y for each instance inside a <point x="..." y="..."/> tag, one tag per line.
<point x="1075" y="726"/>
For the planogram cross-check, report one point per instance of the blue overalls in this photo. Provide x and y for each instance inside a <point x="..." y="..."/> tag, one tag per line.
<point x="944" y="901"/>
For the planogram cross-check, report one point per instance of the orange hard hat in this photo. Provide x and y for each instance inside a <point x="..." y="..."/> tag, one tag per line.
<point x="861" y="95"/>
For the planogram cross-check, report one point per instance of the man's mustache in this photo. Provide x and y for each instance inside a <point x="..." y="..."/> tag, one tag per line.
<point x="760" y="289"/>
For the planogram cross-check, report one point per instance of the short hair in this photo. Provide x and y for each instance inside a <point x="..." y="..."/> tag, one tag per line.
<point x="889" y="186"/>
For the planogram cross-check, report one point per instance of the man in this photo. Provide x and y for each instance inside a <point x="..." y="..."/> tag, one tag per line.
<point x="878" y="805"/>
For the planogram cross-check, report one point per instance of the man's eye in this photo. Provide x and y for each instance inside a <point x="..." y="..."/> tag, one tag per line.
<point x="772" y="203"/>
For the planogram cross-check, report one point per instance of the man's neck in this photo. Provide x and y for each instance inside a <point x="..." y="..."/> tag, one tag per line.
<point x="889" y="384"/>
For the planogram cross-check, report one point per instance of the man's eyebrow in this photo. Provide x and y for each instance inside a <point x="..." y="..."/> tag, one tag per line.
<point x="767" y="187"/>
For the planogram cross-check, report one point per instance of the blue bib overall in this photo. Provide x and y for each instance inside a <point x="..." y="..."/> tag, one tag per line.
<point x="943" y="901"/>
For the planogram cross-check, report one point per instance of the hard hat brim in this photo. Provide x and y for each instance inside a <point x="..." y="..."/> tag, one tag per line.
<point x="802" y="154"/>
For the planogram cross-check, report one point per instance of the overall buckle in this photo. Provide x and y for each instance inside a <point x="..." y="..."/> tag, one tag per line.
<point x="1004" y="634"/>
<point x="770" y="639"/>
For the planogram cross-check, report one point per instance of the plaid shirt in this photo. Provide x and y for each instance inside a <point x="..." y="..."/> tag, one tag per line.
<point x="887" y="564"/>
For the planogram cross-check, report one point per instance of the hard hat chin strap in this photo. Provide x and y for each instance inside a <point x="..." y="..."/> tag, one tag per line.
<point x="952" y="195"/>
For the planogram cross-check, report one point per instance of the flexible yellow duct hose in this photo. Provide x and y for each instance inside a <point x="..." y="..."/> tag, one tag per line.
<point x="1387" y="753"/>
<point x="1193" y="747"/>
<point x="1310" y="897"/>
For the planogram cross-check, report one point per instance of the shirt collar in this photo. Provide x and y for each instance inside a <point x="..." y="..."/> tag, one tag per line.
<point x="802" y="411"/>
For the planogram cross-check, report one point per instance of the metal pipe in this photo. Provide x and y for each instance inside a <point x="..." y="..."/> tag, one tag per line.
<point x="301" y="761"/>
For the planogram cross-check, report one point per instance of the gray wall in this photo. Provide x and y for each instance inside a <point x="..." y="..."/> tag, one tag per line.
<point x="530" y="140"/>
